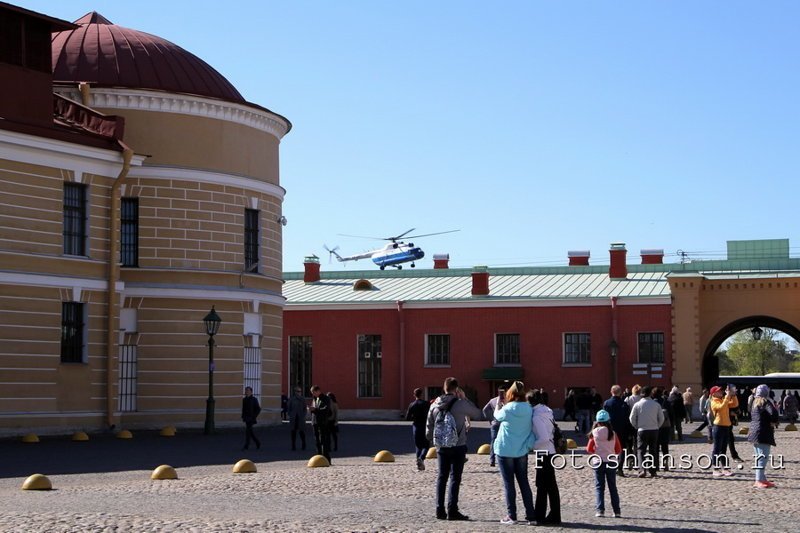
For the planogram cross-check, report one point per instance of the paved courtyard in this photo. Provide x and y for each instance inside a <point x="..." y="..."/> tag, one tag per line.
<point x="104" y="485"/>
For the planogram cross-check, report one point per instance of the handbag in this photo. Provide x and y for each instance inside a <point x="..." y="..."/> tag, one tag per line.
<point x="559" y="440"/>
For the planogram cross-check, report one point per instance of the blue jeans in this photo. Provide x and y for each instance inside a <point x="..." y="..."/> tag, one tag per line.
<point x="451" y="464"/>
<point x="516" y="467"/>
<point x="420" y="442"/>
<point x="718" y="457"/>
<point x="605" y="475"/>
<point x="761" y="453"/>
<point x="584" y="420"/>
<point x="493" y="429"/>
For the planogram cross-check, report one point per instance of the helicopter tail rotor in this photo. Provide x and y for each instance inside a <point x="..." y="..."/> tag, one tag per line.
<point x="332" y="252"/>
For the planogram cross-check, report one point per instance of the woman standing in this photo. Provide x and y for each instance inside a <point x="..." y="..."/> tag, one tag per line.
<point x="762" y="433"/>
<point x="721" y="405"/>
<point x="544" y="448"/>
<point x="514" y="441"/>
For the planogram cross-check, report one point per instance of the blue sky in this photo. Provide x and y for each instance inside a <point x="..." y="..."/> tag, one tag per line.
<point x="533" y="127"/>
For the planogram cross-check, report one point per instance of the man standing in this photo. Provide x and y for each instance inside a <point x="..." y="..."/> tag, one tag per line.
<point x="250" y="411"/>
<point x="494" y="425"/>
<point x="583" y="409"/>
<point x="688" y="404"/>
<point x="647" y="417"/>
<point x="418" y="414"/>
<point x="620" y="423"/>
<point x="441" y="430"/>
<point x="320" y="418"/>
<point x="296" y="409"/>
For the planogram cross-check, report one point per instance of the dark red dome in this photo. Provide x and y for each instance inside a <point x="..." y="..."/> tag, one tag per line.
<point x="104" y="54"/>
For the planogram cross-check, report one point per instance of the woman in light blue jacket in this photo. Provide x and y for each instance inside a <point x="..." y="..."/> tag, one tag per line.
<point x="514" y="441"/>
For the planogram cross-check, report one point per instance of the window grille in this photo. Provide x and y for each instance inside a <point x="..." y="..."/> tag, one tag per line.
<point x="251" y="218"/>
<point x="577" y="348"/>
<point x="507" y="349"/>
<point x="72" y="332"/>
<point x="369" y="366"/>
<point x="74" y="219"/>
<point x="252" y="369"/>
<point x="438" y="350"/>
<point x="129" y="232"/>
<point x="128" y="377"/>
<point x="300" y="363"/>
<point x="651" y="347"/>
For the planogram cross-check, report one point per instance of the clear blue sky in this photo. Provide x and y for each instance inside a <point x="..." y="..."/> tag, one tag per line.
<point x="534" y="127"/>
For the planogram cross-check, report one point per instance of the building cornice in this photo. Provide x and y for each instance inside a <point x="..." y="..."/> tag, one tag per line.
<point x="163" y="102"/>
<point x="203" y="293"/>
<point x="188" y="174"/>
<point x="476" y="304"/>
<point x="46" y="280"/>
<point x="34" y="150"/>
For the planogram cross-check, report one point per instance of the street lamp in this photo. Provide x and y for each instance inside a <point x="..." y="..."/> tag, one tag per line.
<point x="212" y="322"/>
<point x="614" y="349"/>
<point x="756" y="332"/>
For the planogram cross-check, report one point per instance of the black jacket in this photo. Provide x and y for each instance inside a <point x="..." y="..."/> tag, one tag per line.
<point x="250" y="409"/>
<point x="418" y="413"/>
<point x="322" y="413"/>
<point x="620" y="413"/>
<point x="761" y="429"/>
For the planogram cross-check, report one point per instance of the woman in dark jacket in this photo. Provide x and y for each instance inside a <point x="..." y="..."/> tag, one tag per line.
<point x="762" y="433"/>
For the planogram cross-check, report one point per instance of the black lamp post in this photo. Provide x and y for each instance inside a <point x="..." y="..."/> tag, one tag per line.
<point x="614" y="349"/>
<point x="212" y="322"/>
<point x="756" y="332"/>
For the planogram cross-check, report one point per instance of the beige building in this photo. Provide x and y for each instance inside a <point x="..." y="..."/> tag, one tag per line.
<point x="151" y="195"/>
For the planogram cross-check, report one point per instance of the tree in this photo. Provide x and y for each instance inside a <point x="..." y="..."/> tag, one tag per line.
<point x="746" y="356"/>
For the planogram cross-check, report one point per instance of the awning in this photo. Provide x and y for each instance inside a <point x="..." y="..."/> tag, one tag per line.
<point x="502" y="373"/>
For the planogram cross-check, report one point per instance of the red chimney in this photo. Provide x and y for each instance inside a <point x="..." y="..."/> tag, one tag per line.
<point x="652" y="256"/>
<point x="578" y="257"/>
<point x="441" y="260"/>
<point x="311" y="263"/>
<point x="480" y="281"/>
<point x="618" y="269"/>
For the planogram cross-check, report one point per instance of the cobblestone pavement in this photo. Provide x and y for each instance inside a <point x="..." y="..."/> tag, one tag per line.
<point x="104" y="485"/>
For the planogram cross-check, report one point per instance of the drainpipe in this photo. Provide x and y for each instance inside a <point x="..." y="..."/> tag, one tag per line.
<point x="614" y="330"/>
<point x="113" y="277"/>
<point x="402" y="350"/>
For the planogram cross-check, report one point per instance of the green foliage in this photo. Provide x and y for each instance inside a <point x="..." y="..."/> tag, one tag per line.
<point x="746" y="356"/>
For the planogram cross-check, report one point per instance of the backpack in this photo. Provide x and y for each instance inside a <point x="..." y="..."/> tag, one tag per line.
<point x="445" y="431"/>
<point x="559" y="440"/>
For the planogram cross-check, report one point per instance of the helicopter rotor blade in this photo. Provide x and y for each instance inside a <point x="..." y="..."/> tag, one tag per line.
<point x="399" y="236"/>
<point x="361" y="237"/>
<point x="430" y="234"/>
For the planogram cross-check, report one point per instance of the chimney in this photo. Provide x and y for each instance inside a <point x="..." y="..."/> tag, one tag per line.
<point x="578" y="257"/>
<point x="311" y="262"/>
<point x="441" y="261"/>
<point x="618" y="269"/>
<point x="652" y="256"/>
<point x="480" y="281"/>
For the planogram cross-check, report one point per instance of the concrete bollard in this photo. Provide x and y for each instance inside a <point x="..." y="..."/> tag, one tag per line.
<point x="168" y="431"/>
<point x="383" y="456"/>
<point x="164" y="472"/>
<point x="30" y="438"/>
<point x="245" y="466"/>
<point x="318" y="461"/>
<point x="790" y="427"/>
<point x="484" y="449"/>
<point x="80" y="436"/>
<point x="571" y="444"/>
<point x="37" y="482"/>
<point x="124" y="434"/>
<point x="743" y="430"/>
<point x="431" y="454"/>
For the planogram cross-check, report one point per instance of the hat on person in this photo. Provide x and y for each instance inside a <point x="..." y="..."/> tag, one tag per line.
<point x="715" y="390"/>
<point x="762" y="391"/>
<point x="603" y="416"/>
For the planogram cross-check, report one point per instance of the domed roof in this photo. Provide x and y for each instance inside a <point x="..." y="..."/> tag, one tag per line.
<point x="104" y="54"/>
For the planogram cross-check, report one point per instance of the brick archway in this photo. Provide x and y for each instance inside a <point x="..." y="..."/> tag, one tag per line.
<point x="710" y="363"/>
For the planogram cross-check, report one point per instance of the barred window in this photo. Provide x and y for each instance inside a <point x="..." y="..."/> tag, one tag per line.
<point x="370" y="359"/>
<point x="300" y="352"/>
<point x="507" y="349"/>
<point x="251" y="217"/>
<point x="74" y="219"/>
<point x="438" y="350"/>
<point x="577" y="348"/>
<point x="651" y="347"/>
<point x="72" y="332"/>
<point x="129" y="232"/>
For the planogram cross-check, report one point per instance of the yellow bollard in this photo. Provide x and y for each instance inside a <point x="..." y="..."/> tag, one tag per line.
<point x="245" y="466"/>
<point x="318" y="461"/>
<point x="37" y="482"/>
<point x="80" y="436"/>
<point x="431" y="454"/>
<point x="571" y="444"/>
<point x="743" y="430"/>
<point x="484" y="449"/>
<point x="696" y="434"/>
<point x="30" y="437"/>
<point x="124" y="434"/>
<point x="164" y="472"/>
<point x="790" y="427"/>
<point x="383" y="456"/>
<point x="168" y="431"/>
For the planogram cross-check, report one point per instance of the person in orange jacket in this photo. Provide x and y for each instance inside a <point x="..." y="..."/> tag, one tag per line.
<point x="722" y="401"/>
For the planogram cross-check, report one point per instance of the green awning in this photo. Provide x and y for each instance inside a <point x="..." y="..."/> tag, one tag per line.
<point x="502" y="373"/>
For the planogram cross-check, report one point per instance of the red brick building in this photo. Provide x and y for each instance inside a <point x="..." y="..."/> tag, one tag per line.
<point x="373" y="336"/>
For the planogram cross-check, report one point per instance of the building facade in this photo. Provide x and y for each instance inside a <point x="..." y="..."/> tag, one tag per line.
<point x="113" y="254"/>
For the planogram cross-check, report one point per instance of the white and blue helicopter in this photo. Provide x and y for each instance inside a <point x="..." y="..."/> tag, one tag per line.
<point x="394" y="254"/>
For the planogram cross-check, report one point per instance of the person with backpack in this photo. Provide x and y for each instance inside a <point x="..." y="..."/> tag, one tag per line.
<point x="605" y="447"/>
<point x="512" y="445"/>
<point x="544" y="429"/>
<point x="446" y="429"/>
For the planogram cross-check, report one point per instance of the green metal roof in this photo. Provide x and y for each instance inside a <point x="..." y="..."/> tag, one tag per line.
<point x="520" y="284"/>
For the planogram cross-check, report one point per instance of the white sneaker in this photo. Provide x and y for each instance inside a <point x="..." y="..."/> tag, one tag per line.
<point x="600" y="514"/>
<point x="617" y="515"/>
<point x="717" y="473"/>
<point x="508" y="521"/>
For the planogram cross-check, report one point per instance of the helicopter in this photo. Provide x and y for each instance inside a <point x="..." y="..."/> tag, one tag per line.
<point x="394" y="254"/>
